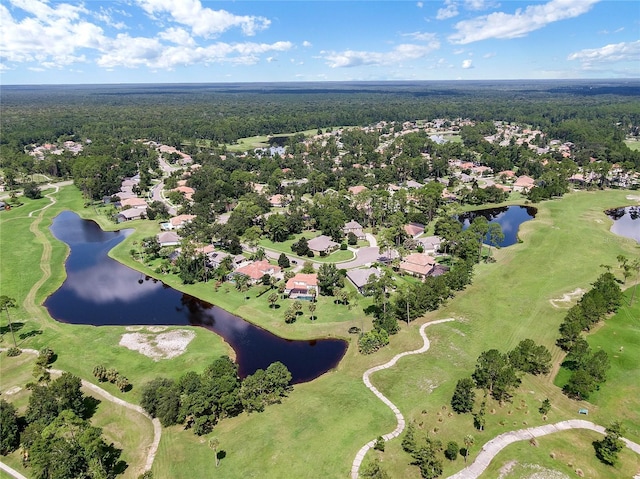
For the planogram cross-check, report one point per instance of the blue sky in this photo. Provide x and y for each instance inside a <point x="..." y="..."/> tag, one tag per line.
<point x="174" y="41"/>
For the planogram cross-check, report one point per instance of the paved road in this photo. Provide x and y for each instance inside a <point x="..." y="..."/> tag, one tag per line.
<point x="357" y="462"/>
<point x="498" y="443"/>
<point x="11" y="471"/>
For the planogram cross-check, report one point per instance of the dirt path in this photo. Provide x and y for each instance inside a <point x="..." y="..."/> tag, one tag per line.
<point x="45" y="260"/>
<point x="152" y="449"/>
<point x="357" y="462"/>
<point x="498" y="443"/>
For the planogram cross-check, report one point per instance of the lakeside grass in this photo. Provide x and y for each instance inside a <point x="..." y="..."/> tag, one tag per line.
<point x="320" y="427"/>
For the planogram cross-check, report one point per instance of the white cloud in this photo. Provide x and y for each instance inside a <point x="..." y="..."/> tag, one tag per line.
<point x="419" y="4"/>
<point x="204" y="22"/>
<point x="179" y="36"/>
<point x="479" y="4"/>
<point x="421" y="36"/>
<point x="450" y="10"/>
<point x="489" y="55"/>
<point x="401" y="53"/>
<point x="306" y="44"/>
<point x="518" y="24"/>
<point x="52" y="35"/>
<point x="466" y="64"/>
<point x="106" y="17"/>
<point x="133" y="52"/>
<point x="618" y="52"/>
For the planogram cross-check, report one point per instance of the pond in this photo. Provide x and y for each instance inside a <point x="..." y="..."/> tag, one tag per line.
<point x="508" y="217"/>
<point x="100" y="291"/>
<point x="626" y="221"/>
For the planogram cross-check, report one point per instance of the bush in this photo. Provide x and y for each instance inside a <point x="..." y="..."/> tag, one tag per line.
<point x="100" y="372"/>
<point x="371" y="341"/>
<point x="379" y="444"/>
<point x="343" y="246"/>
<point x="13" y="351"/>
<point x="45" y="357"/>
<point x="452" y="450"/>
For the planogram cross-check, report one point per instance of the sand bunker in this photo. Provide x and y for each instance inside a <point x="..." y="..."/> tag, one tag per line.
<point x="633" y="198"/>
<point x="13" y="390"/>
<point x="566" y="298"/>
<point x="158" y="346"/>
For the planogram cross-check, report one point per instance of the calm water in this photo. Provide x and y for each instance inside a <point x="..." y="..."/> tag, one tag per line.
<point x="100" y="291"/>
<point x="509" y="217"/>
<point x="626" y="221"/>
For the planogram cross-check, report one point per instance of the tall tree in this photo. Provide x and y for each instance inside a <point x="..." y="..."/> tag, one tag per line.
<point x="214" y="444"/>
<point x="5" y="303"/>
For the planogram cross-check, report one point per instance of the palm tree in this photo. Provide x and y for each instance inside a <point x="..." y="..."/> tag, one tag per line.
<point x="273" y="299"/>
<point x="468" y="442"/>
<point x="242" y="283"/>
<point x="5" y="303"/>
<point x="312" y="309"/>
<point x="214" y="443"/>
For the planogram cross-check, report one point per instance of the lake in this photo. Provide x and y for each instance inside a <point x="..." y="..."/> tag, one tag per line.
<point x="102" y="292"/>
<point x="626" y="221"/>
<point x="508" y="217"/>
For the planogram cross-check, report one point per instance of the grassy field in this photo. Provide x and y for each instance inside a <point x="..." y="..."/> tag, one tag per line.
<point x="126" y="429"/>
<point x="633" y="144"/>
<point x="319" y="428"/>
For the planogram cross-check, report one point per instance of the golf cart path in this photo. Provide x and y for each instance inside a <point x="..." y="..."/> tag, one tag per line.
<point x="157" y="428"/>
<point x="492" y="447"/>
<point x="357" y="462"/>
<point x="498" y="443"/>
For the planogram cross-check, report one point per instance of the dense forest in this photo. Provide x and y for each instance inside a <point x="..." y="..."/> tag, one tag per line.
<point x="582" y="112"/>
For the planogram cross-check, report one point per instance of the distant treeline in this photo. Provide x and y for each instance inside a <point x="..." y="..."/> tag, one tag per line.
<point x="595" y="116"/>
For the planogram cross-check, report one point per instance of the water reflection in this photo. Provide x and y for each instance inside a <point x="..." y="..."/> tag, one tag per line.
<point x="509" y="217"/>
<point x="626" y="221"/>
<point x="100" y="291"/>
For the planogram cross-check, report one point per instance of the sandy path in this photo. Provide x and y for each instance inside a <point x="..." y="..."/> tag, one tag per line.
<point x="357" y="462"/>
<point x="45" y="260"/>
<point x="152" y="449"/>
<point x="498" y="443"/>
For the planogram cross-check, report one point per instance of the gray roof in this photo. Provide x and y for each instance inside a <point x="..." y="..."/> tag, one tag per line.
<point x="133" y="213"/>
<point x="352" y="225"/>
<point x="168" y="237"/>
<point x="359" y="277"/>
<point x="321" y="243"/>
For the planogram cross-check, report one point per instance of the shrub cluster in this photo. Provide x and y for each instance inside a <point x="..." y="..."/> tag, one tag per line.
<point x="113" y="376"/>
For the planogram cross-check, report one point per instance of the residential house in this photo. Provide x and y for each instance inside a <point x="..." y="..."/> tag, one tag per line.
<point x="186" y="191"/>
<point x="277" y="201"/>
<point x="430" y="244"/>
<point x="302" y="286"/>
<point x="322" y="244"/>
<point x="355" y="228"/>
<point x="354" y="190"/>
<point x="257" y="269"/>
<point x="360" y="277"/>
<point x="414" y="185"/>
<point x="179" y="221"/>
<point x="131" y="214"/>
<point x="524" y="183"/>
<point x="168" y="238"/>
<point x="418" y="264"/>
<point x="133" y="203"/>
<point x="413" y="229"/>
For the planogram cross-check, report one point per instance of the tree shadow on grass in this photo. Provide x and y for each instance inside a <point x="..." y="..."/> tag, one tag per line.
<point x="90" y="406"/>
<point x="17" y="326"/>
<point x="30" y="334"/>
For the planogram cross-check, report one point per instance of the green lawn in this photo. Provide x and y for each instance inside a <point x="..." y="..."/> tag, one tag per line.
<point x="337" y="256"/>
<point x="633" y="144"/>
<point x="317" y="431"/>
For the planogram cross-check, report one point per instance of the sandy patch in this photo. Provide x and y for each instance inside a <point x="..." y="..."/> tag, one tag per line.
<point x="633" y="198"/>
<point x="513" y="469"/>
<point x="134" y="328"/>
<point x="157" y="329"/>
<point x="506" y="469"/>
<point x="13" y="390"/>
<point x="566" y="298"/>
<point x="158" y="346"/>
